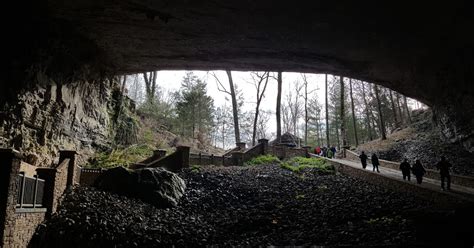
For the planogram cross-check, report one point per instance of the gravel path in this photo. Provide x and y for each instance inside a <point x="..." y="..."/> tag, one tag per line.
<point x="261" y="205"/>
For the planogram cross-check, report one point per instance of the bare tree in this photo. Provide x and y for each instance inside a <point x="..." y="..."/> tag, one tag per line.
<point x="397" y="95"/>
<point x="343" y="121"/>
<point x="354" y="120"/>
<point x="260" y="81"/>
<point x="235" y="107"/>
<point x="369" y="129"/>
<point x="397" y="124"/>
<point x="306" y="116"/>
<point x="327" y="111"/>
<point x="406" y="108"/>
<point x="150" y="86"/>
<point x="278" y="106"/>
<point x="294" y="105"/>
<point x="379" y="106"/>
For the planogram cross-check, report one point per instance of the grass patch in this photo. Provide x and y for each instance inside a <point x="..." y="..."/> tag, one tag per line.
<point x="263" y="159"/>
<point x="121" y="157"/>
<point x="297" y="164"/>
<point x="195" y="168"/>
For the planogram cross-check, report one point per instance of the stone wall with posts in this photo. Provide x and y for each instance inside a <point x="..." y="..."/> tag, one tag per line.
<point x="175" y="161"/>
<point x="18" y="224"/>
<point x="284" y="152"/>
<point x="433" y="174"/>
<point x="206" y="159"/>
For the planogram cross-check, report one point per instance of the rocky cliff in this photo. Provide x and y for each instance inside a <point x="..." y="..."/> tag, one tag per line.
<point x="83" y="116"/>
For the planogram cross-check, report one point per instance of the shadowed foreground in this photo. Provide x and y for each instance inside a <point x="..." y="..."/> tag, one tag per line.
<point x="260" y="205"/>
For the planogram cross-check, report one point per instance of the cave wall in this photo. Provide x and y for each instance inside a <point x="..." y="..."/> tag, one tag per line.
<point x="422" y="50"/>
<point x="49" y="117"/>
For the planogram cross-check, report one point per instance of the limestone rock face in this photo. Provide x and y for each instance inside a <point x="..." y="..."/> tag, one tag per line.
<point x="156" y="186"/>
<point x="50" y="117"/>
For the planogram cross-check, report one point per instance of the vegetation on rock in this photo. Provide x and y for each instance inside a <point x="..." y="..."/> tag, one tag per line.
<point x="298" y="164"/>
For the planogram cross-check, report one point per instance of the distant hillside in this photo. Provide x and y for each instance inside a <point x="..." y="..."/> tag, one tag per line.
<point x="421" y="140"/>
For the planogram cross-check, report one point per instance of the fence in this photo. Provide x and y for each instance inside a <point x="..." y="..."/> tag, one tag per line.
<point x="206" y="159"/>
<point x="88" y="176"/>
<point x="30" y="191"/>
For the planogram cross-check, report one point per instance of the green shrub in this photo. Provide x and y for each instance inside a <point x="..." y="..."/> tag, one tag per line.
<point x="263" y="159"/>
<point x="121" y="156"/>
<point x="297" y="164"/>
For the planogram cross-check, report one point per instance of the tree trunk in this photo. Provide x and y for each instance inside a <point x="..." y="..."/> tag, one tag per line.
<point x="399" y="109"/>
<point x="406" y="108"/>
<point x="235" y="111"/>
<point x="153" y="87"/>
<point x="353" y="114"/>
<point x="305" y="113"/>
<point x="343" y="121"/>
<point x="278" y="107"/>
<point x="369" y="129"/>
<point x="379" y="106"/>
<point x="254" y="133"/>
<point x="327" y="112"/>
<point x="397" y="124"/>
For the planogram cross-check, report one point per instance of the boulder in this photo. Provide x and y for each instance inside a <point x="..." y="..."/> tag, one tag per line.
<point x="157" y="186"/>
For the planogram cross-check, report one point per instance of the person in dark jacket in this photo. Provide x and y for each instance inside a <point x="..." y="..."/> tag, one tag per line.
<point x="375" y="162"/>
<point x="405" y="168"/>
<point x="418" y="171"/>
<point x="444" y="166"/>
<point x="363" y="159"/>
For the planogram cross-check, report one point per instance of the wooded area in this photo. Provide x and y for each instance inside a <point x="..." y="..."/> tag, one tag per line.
<point x="191" y="112"/>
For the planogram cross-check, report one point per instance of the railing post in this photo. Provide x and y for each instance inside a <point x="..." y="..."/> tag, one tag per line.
<point x="200" y="158"/>
<point x="22" y="189"/>
<point x="35" y="192"/>
<point x="71" y="155"/>
<point x="9" y="168"/>
<point x="212" y="158"/>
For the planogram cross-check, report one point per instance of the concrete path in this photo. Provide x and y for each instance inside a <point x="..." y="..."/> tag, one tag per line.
<point x="428" y="183"/>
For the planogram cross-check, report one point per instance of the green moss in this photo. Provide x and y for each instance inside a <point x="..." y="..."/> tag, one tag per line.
<point x="121" y="156"/>
<point x="297" y="164"/>
<point x="263" y="159"/>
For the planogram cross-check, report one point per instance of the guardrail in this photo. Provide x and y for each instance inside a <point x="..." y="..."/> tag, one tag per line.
<point x="31" y="191"/>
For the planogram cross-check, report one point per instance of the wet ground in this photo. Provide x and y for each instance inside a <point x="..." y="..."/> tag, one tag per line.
<point x="244" y="206"/>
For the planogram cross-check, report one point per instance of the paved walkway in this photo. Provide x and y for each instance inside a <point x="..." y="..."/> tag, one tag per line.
<point x="428" y="183"/>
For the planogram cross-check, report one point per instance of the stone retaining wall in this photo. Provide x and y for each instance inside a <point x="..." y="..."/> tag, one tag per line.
<point x="17" y="225"/>
<point x="25" y="225"/>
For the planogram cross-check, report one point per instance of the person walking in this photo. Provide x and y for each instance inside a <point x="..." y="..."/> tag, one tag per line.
<point x="330" y="154"/>
<point x="444" y="166"/>
<point x="363" y="159"/>
<point x="405" y="168"/>
<point x="375" y="163"/>
<point x="418" y="171"/>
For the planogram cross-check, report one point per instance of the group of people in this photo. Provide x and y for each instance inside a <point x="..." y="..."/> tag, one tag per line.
<point x="375" y="161"/>
<point x="328" y="152"/>
<point x="417" y="169"/>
